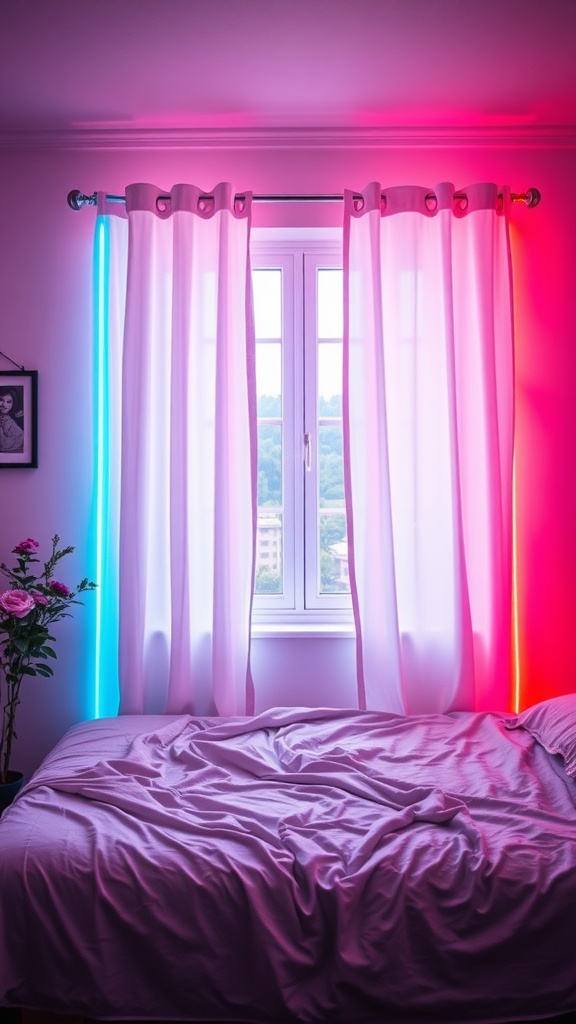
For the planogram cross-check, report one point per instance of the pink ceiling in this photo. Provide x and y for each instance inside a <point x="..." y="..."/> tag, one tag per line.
<point x="68" y="64"/>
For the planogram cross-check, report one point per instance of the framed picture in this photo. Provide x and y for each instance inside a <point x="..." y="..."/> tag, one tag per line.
<point x="18" y="419"/>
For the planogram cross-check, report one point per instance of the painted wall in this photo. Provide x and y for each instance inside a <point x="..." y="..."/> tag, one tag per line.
<point x="45" y="303"/>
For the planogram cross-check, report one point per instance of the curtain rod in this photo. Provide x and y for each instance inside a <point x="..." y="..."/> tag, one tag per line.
<point x="77" y="200"/>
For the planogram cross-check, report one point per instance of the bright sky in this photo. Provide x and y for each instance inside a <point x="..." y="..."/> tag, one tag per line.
<point x="267" y="285"/>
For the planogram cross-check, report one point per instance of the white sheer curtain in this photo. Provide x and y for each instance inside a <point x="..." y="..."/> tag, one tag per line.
<point x="180" y="382"/>
<point x="428" y="436"/>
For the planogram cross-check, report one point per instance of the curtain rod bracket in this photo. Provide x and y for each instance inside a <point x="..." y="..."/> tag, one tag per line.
<point x="531" y="197"/>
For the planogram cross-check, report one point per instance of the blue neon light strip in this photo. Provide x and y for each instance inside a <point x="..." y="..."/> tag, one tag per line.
<point x="101" y="271"/>
<point x="106" y="688"/>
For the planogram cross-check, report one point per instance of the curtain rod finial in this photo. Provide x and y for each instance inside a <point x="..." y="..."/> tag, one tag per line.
<point x="532" y="197"/>
<point x="76" y="200"/>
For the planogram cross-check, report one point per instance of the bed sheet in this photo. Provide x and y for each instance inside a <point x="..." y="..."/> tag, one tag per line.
<point x="304" y="865"/>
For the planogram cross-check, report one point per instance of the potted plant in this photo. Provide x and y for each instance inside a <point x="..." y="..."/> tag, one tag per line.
<point x="28" y="609"/>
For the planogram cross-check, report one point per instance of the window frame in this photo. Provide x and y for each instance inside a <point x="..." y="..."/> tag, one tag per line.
<point x="283" y="260"/>
<point x="299" y="253"/>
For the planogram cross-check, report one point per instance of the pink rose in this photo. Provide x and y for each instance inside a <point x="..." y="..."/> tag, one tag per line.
<point x="16" y="602"/>
<point x="59" y="588"/>
<point x="26" y="547"/>
<point x="41" y="599"/>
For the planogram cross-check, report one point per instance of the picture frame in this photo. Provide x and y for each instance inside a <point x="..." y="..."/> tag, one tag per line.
<point x="18" y="419"/>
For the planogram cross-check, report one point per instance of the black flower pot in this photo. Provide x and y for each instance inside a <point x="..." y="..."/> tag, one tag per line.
<point x="9" y="789"/>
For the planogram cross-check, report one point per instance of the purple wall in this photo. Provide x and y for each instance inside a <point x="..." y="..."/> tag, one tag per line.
<point x="45" y="298"/>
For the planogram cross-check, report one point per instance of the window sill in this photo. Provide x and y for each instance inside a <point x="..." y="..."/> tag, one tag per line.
<point x="302" y="630"/>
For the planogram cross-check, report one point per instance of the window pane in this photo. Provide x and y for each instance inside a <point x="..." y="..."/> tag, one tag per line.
<point x="269" y="464"/>
<point x="331" y="467"/>
<point x="330" y="317"/>
<point x="269" y="378"/>
<point x="329" y="378"/>
<point x="269" y="570"/>
<point x="333" y="548"/>
<point x="267" y="294"/>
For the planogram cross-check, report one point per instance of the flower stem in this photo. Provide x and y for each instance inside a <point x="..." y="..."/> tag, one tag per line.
<point x="8" y="730"/>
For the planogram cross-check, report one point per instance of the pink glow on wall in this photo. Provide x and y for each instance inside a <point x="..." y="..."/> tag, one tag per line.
<point x="546" y="491"/>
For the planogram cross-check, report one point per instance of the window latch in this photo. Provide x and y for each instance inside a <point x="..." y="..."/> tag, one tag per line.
<point x="308" y="452"/>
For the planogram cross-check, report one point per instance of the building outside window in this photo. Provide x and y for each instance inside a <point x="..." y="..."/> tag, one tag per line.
<point x="301" y="561"/>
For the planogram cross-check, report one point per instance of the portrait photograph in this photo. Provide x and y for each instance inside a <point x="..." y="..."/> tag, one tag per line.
<point x="18" y="419"/>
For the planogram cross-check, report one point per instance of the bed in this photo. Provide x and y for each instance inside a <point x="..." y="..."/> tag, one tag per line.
<point x="310" y="865"/>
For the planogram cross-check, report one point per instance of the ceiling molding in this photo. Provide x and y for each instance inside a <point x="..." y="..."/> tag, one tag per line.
<point x="522" y="136"/>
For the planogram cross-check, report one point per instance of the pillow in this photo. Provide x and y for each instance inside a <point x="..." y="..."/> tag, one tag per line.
<point x="553" y="724"/>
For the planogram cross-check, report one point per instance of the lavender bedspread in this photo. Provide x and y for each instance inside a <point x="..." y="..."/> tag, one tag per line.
<point x="310" y="865"/>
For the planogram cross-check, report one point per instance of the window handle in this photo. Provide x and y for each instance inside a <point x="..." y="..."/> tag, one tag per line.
<point x="308" y="452"/>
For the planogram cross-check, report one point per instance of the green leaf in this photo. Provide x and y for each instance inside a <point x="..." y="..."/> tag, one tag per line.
<point x="44" y="670"/>
<point x="48" y="651"/>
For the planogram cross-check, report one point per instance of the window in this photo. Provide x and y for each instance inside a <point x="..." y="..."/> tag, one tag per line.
<point x="301" y="549"/>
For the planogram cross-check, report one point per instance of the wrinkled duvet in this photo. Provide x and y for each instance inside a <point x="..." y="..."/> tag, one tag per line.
<point x="302" y="865"/>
